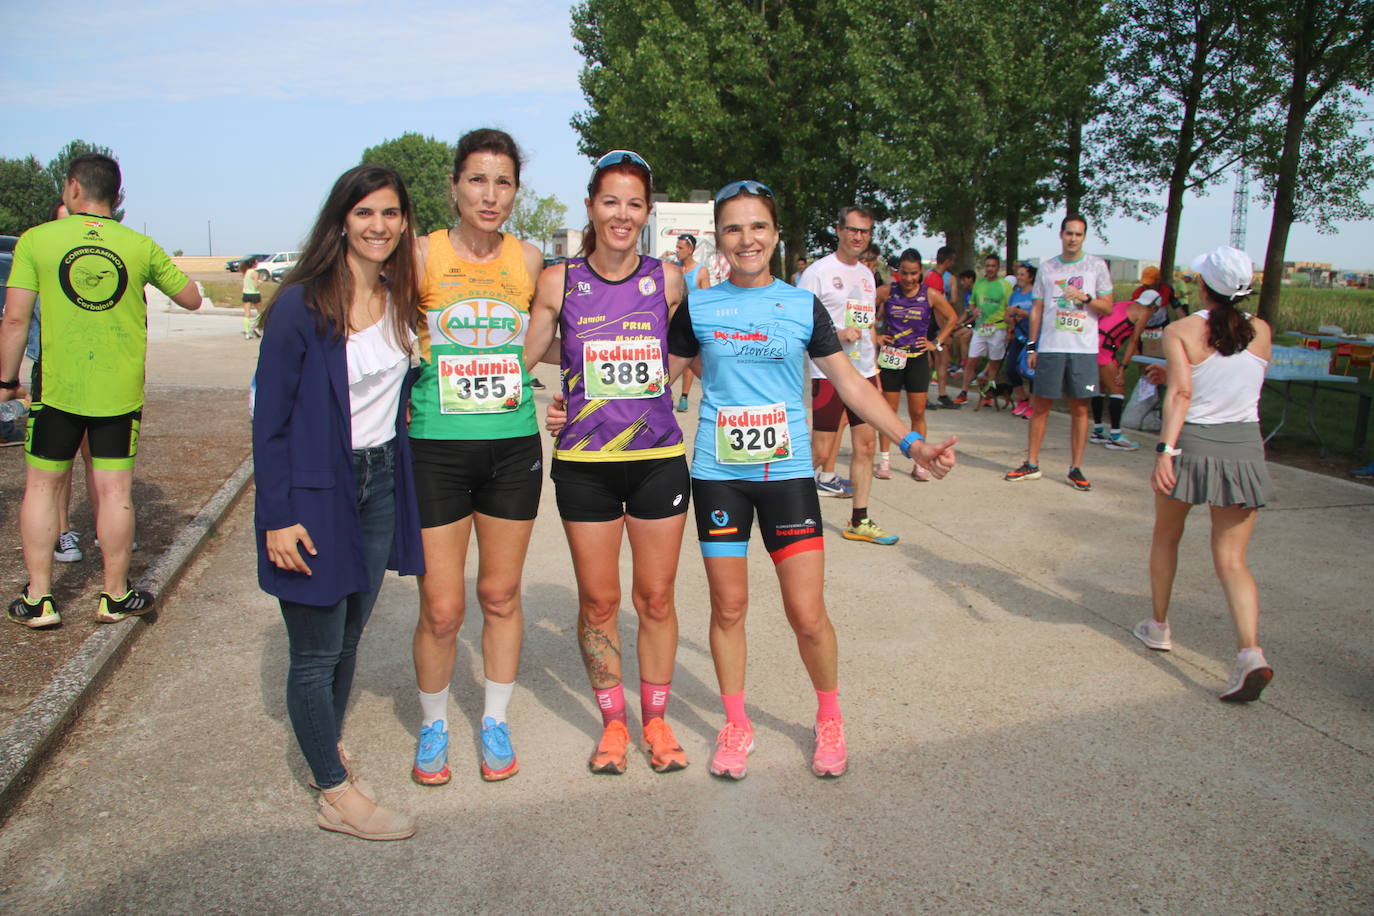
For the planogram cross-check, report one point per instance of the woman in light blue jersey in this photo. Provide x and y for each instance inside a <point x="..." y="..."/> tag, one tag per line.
<point x="753" y="334"/>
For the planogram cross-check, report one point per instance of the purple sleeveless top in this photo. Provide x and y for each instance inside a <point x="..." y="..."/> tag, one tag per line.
<point x="614" y="342"/>
<point x="907" y="319"/>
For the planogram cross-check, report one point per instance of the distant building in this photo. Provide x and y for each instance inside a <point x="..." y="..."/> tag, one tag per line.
<point x="1126" y="270"/>
<point x="567" y="243"/>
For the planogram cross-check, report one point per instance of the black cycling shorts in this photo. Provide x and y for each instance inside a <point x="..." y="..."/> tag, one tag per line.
<point x="789" y="514"/>
<point x="913" y="377"/>
<point x="54" y="437"/>
<point x="454" y="478"/>
<point x="604" y="491"/>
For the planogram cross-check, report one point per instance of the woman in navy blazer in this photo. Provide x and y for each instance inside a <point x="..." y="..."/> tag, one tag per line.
<point x="335" y="497"/>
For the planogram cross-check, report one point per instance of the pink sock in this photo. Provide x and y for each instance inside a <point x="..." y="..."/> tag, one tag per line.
<point x="653" y="699"/>
<point x="611" y="702"/>
<point x="734" y="707"/>
<point x="828" y="704"/>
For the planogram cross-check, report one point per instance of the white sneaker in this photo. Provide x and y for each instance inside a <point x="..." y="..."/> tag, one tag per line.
<point x="1098" y="435"/>
<point x="1249" y="677"/>
<point x="1155" y="635"/>
<point x="68" y="549"/>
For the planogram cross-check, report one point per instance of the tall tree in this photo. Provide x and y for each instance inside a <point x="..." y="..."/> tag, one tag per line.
<point x="57" y="172"/>
<point x="25" y="195"/>
<point x="536" y="218"/>
<point x="968" y="104"/>
<point x="1193" y="76"/>
<point x="714" y="90"/>
<point x="424" y="164"/>
<point x="1327" y="50"/>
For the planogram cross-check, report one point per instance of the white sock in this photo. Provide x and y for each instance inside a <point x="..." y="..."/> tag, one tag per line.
<point x="433" y="707"/>
<point x="1116" y="432"/>
<point x="497" y="699"/>
<point x="826" y="476"/>
<point x="885" y="456"/>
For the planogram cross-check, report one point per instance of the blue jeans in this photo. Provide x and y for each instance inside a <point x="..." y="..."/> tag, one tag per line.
<point x="324" y="640"/>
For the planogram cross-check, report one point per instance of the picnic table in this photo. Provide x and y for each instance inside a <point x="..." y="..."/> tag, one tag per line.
<point x="1288" y="379"/>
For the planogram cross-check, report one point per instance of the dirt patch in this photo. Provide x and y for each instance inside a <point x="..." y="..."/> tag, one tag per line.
<point x="191" y="441"/>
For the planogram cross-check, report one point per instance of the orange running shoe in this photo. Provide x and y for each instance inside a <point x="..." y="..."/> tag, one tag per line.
<point x="830" y="758"/>
<point x="609" y="756"/>
<point x="665" y="754"/>
<point x="733" y="745"/>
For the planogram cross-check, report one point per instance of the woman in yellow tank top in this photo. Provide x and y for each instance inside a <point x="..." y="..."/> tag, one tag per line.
<point x="476" y="446"/>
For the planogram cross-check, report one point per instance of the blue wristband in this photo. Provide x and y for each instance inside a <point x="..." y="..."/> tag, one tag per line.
<point x="908" y="440"/>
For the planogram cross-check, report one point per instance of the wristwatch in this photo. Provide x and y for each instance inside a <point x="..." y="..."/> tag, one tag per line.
<point x="1169" y="450"/>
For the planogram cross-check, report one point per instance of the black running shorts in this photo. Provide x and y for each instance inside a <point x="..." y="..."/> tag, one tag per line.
<point x="789" y="514"/>
<point x="913" y="377"/>
<point x="603" y="491"/>
<point x="497" y="477"/>
<point x="54" y="436"/>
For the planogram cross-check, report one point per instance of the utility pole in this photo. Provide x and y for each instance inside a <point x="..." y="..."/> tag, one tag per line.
<point x="1240" y="208"/>
<point x="209" y="240"/>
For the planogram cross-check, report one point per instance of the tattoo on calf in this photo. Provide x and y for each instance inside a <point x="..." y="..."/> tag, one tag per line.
<point x="601" y="655"/>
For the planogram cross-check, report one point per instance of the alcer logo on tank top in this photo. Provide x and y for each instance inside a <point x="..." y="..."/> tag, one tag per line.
<point x="479" y="323"/>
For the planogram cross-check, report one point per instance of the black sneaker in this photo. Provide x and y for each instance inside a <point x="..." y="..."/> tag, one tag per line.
<point x="535" y="383"/>
<point x="1026" y="471"/>
<point x="1078" y="480"/>
<point x="134" y="602"/>
<point x="948" y="404"/>
<point x="34" y="614"/>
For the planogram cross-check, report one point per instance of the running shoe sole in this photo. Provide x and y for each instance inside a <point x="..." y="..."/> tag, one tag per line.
<point x="1141" y="632"/>
<point x="887" y="541"/>
<point x="491" y="775"/>
<point x="727" y="772"/>
<point x="42" y="621"/>
<point x="1081" y="486"/>
<point x="1115" y="446"/>
<point x="133" y="596"/>
<point x="1250" y="688"/>
<point x="1016" y="475"/>
<point x="430" y="779"/>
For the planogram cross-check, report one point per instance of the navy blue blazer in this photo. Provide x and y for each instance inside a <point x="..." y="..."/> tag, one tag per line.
<point x="303" y="461"/>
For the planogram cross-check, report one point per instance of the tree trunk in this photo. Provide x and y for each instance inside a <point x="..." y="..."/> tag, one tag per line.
<point x="1073" y="168"/>
<point x="1285" y="188"/>
<point x="1183" y="155"/>
<point x="961" y="236"/>
<point x="1013" y="236"/>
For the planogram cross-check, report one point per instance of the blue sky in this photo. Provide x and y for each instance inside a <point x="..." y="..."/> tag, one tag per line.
<point x="241" y="115"/>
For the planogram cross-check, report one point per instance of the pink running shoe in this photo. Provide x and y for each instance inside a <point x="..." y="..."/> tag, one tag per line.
<point x="733" y="745"/>
<point x="830" y="758"/>
<point x="1023" y="409"/>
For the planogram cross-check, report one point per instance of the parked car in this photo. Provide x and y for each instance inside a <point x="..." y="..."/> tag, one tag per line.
<point x="274" y="267"/>
<point x="233" y="266"/>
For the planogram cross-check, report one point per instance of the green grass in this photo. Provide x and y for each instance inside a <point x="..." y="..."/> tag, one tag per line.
<point x="1333" y="413"/>
<point x="228" y="293"/>
<point x="1303" y="309"/>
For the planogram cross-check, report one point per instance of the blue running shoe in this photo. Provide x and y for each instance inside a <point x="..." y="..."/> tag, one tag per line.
<point x="498" y="757"/>
<point x="835" y="488"/>
<point x="431" y="756"/>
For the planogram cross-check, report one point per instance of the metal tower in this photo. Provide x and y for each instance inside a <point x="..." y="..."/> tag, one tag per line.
<point x="1240" y="208"/>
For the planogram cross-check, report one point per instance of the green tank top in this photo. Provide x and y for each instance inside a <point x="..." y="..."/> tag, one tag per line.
<point x="473" y="383"/>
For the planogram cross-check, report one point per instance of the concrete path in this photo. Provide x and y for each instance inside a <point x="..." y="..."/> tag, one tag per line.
<point x="1012" y="747"/>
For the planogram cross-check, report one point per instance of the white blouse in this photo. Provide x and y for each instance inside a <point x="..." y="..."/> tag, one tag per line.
<point x="377" y="366"/>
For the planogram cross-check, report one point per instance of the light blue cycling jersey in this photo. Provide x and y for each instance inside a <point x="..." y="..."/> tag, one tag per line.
<point x="753" y="344"/>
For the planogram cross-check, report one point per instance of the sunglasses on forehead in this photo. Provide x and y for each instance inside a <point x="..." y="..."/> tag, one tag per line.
<point x="617" y="157"/>
<point x="743" y="186"/>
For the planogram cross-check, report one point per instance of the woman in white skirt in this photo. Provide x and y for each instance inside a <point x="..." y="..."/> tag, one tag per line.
<point x="1210" y="453"/>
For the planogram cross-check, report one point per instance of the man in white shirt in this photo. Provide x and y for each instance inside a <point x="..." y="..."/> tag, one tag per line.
<point x="1070" y="292"/>
<point x="849" y="293"/>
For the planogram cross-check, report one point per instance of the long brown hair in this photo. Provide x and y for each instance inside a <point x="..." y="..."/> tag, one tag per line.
<point x="323" y="274"/>
<point x="1228" y="329"/>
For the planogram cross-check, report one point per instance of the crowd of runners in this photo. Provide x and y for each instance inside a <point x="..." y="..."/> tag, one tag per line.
<point x="394" y="423"/>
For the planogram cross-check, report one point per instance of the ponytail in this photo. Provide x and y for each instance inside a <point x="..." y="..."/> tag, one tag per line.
<point x="1228" y="329"/>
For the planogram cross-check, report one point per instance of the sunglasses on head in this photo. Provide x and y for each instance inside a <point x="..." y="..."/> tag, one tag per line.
<point x="743" y="186"/>
<point x="617" y="157"/>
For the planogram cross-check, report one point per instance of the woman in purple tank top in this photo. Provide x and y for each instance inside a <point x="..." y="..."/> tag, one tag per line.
<point x="620" y="465"/>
